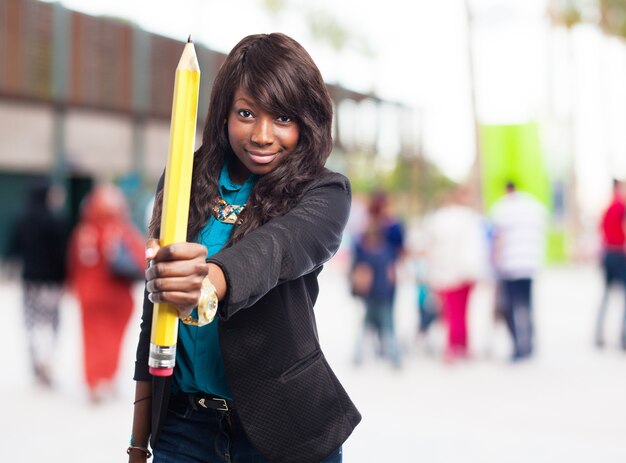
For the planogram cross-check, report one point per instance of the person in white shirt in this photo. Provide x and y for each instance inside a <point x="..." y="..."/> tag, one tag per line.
<point x="456" y="254"/>
<point x="519" y="222"/>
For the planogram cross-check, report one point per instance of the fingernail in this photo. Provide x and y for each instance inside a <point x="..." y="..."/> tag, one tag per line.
<point x="149" y="253"/>
<point x="150" y="298"/>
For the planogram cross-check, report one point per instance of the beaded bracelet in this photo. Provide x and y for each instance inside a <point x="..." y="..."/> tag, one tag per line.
<point x="141" y="449"/>
<point x="142" y="399"/>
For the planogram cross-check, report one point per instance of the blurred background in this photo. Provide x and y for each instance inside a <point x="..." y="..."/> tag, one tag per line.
<point x="431" y="98"/>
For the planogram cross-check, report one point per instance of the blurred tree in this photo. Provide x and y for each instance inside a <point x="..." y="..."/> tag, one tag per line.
<point x="419" y="182"/>
<point x="414" y="181"/>
<point x="610" y="15"/>
<point x="274" y="7"/>
<point x="323" y="26"/>
<point x="566" y="13"/>
<point x="613" y="17"/>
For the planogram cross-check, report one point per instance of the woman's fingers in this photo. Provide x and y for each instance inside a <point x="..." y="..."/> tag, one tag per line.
<point x="152" y="247"/>
<point x="180" y="251"/>
<point x="177" y="251"/>
<point x="180" y="291"/>
<point x="182" y="284"/>
<point x="175" y="275"/>
<point x="183" y="301"/>
<point x="179" y="268"/>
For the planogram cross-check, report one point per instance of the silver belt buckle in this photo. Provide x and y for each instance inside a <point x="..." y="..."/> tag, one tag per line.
<point x="224" y="404"/>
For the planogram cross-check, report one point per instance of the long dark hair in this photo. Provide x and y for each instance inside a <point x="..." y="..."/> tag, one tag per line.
<point x="281" y="76"/>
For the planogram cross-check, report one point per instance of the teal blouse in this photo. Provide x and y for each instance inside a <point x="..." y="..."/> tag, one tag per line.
<point x="199" y="364"/>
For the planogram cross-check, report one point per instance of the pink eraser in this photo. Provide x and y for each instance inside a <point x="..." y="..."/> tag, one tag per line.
<point x="161" y="371"/>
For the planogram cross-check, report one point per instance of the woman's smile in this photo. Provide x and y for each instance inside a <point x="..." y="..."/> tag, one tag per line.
<point x="262" y="158"/>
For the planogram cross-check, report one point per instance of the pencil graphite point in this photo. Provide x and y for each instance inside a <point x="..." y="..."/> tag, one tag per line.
<point x="189" y="39"/>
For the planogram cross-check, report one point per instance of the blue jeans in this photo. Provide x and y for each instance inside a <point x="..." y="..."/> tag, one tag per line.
<point x="193" y="435"/>
<point x="518" y="315"/>
<point x="614" y="268"/>
<point x="379" y="318"/>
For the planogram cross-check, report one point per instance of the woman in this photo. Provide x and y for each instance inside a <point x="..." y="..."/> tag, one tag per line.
<point x="253" y="385"/>
<point x="105" y="297"/>
<point x="457" y="260"/>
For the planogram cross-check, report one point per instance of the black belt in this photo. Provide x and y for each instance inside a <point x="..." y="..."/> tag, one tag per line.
<point x="199" y="401"/>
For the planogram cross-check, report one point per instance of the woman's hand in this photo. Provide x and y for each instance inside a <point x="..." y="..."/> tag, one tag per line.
<point x="175" y="274"/>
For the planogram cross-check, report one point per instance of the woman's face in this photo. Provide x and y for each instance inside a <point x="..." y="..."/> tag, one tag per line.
<point x="259" y="139"/>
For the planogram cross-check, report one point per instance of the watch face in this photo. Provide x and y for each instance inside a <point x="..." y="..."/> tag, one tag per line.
<point x="206" y="316"/>
<point x="207" y="307"/>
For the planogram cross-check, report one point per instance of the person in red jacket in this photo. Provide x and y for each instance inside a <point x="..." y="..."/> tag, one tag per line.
<point x="613" y="229"/>
<point x="102" y="241"/>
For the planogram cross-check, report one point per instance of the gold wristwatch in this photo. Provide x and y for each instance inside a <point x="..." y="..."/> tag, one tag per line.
<point x="207" y="305"/>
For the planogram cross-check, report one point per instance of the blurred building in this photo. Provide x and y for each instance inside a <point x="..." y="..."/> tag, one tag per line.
<point x="89" y="98"/>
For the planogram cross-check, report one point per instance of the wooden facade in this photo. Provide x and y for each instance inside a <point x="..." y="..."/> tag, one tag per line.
<point x="51" y="54"/>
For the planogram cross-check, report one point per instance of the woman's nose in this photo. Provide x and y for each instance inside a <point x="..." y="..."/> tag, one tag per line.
<point x="263" y="132"/>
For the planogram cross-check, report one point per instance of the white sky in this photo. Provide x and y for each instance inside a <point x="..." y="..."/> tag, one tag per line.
<point x="420" y="52"/>
<point x="421" y="58"/>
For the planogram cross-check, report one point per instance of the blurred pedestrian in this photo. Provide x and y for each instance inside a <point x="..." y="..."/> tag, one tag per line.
<point x="427" y="302"/>
<point x="457" y="260"/>
<point x="613" y="230"/>
<point x="106" y="257"/>
<point x="374" y="280"/>
<point x="38" y="239"/>
<point x="519" y="227"/>
<point x="380" y="211"/>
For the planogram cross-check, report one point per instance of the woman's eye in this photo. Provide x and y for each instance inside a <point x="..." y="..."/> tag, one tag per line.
<point x="284" y="118"/>
<point x="244" y="113"/>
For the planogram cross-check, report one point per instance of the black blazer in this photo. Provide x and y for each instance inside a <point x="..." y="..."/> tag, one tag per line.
<point x="290" y="402"/>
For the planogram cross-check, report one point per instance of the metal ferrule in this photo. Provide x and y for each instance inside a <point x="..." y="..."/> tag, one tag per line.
<point x="162" y="356"/>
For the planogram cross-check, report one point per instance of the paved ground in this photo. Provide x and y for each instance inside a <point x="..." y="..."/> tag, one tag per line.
<point x="566" y="405"/>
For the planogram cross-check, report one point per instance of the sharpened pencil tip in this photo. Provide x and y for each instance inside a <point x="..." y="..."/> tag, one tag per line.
<point x="189" y="39"/>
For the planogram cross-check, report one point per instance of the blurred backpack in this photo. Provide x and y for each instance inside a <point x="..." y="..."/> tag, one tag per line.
<point x="122" y="264"/>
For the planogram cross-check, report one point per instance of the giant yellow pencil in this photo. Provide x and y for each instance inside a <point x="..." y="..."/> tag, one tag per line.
<point x="176" y="193"/>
